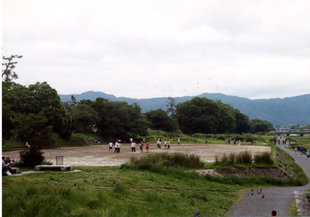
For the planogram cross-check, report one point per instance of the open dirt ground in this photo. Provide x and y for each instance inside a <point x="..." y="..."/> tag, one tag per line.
<point x="99" y="155"/>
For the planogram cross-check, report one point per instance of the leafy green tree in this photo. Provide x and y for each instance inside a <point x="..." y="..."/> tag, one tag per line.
<point x="70" y="104"/>
<point x="171" y="107"/>
<point x="36" y="99"/>
<point x="159" y="120"/>
<point x="83" y="117"/>
<point x="242" y="122"/>
<point x="34" y="129"/>
<point x="8" y="75"/>
<point x="257" y="125"/>
<point x="198" y="115"/>
<point x="118" y="119"/>
<point x="226" y="118"/>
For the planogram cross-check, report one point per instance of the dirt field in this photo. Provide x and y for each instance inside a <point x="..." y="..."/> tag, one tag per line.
<point x="98" y="155"/>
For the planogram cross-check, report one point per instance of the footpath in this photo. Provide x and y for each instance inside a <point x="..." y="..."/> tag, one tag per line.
<point x="279" y="199"/>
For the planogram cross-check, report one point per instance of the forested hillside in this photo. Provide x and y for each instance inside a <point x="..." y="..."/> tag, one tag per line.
<point x="290" y="110"/>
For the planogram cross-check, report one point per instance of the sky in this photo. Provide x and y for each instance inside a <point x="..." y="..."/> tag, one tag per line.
<point x="146" y="49"/>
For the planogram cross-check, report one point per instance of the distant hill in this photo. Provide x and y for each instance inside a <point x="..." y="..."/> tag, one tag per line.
<point x="290" y="110"/>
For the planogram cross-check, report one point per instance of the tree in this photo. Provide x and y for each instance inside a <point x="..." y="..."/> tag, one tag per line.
<point x="171" y="107"/>
<point x="8" y="73"/>
<point x="242" y="122"/>
<point x="83" y="117"/>
<point x="257" y="125"/>
<point x="37" y="100"/>
<point x="118" y="119"/>
<point x="70" y="104"/>
<point x="198" y="115"/>
<point x="159" y="120"/>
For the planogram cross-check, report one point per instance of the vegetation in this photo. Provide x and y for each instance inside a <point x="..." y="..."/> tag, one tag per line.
<point x="138" y="193"/>
<point x="166" y="161"/>
<point x="202" y="115"/>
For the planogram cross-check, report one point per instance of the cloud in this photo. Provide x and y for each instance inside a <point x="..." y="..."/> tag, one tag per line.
<point x="145" y="49"/>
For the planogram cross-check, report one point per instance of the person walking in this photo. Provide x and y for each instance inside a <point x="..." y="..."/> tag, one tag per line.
<point x="110" y="146"/>
<point x="147" y="146"/>
<point x="179" y="140"/>
<point x="308" y="153"/>
<point x="141" y="146"/>
<point x="295" y="149"/>
<point x="168" y="144"/>
<point x="165" y="144"/>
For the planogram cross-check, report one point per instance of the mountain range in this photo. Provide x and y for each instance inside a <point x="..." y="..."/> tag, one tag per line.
<point x="286" y="111"/>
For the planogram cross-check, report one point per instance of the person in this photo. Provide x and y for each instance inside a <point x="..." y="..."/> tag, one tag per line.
<point x="228" y="140"/>
<point x="157" y="143"/>
<point x="110" y="145"/>
<point x="132" y="146"/>
<point x="119" y="146"/>
<point x="8" y="163"/>
<point x="130" y="140"/>
<point x="116" y="147"/>
<point x="206" y="141"/>
<point x="147" y="146"/>
<point x="274" y="213"/>
<point x="308" y="153"/>
<point x="143" y="139"/>
<point x="141" y="146"/>
<point x="301" y="150"/>
<point x="27" y="144"/>
<point x="6" y="166"/>
<point x="168" y="144"/>
<point x="165" y="144"/>
<point x="178" y="140"/>
<point x="235" y="141"/>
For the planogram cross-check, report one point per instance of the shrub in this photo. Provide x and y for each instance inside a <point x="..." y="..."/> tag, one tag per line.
<point x="169" y="160"/>
<point x="221" y="137"/>
<point x="239" y="137"/>
<point x="264" y="157"/>
<point x="31" y="157"/>
<point x="244" y="157"/>
<point x="249" y="140"/>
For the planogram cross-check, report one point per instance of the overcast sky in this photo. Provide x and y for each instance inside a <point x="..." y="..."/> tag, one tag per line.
<point x="145" y="49"/>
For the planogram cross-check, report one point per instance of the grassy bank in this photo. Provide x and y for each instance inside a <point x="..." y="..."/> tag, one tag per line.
<point x="138" y="193"/>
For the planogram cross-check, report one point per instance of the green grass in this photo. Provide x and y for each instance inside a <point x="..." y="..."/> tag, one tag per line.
<point x="139" y="193"/>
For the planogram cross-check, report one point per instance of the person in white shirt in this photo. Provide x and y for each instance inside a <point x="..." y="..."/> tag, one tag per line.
<point x="116" y="147"/>
<point x="178" y="140"/>
<point x="119" y="147"/>
<point x="133" y="146"/>
<point x="110" y="146"/>
<point x="165" y="144"/>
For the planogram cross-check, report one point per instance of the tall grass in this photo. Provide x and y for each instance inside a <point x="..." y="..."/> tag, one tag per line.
<point x="170" y="160"/>
<point x="244" y="157"/>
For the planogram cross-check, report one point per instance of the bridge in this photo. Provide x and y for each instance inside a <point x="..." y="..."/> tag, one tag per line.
<point x="289" y="132"/>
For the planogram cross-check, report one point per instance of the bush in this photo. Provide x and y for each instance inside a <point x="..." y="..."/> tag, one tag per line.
<point x="31" y="157"/>
<point x="264" y="157"/>
<point x="168" y="160"/>
<point x="244" y="157"/>
<point x="221" y="137"/>
<point x="239" y="137"/>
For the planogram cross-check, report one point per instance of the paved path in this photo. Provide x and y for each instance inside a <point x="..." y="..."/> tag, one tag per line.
<point x="279" y="199"/>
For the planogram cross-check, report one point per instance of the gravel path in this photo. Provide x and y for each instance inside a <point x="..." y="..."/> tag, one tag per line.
<point x="279" y="199"/>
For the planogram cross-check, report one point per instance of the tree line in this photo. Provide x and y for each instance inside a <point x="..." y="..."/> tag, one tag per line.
<point x="36" y="114"/>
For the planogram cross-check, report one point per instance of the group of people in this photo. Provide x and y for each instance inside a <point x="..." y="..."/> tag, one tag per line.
<point x="133" y="144"/>
<point x="301" y="149"/>
<point x="166" y="143"/>
<point x="6" y="166"/>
